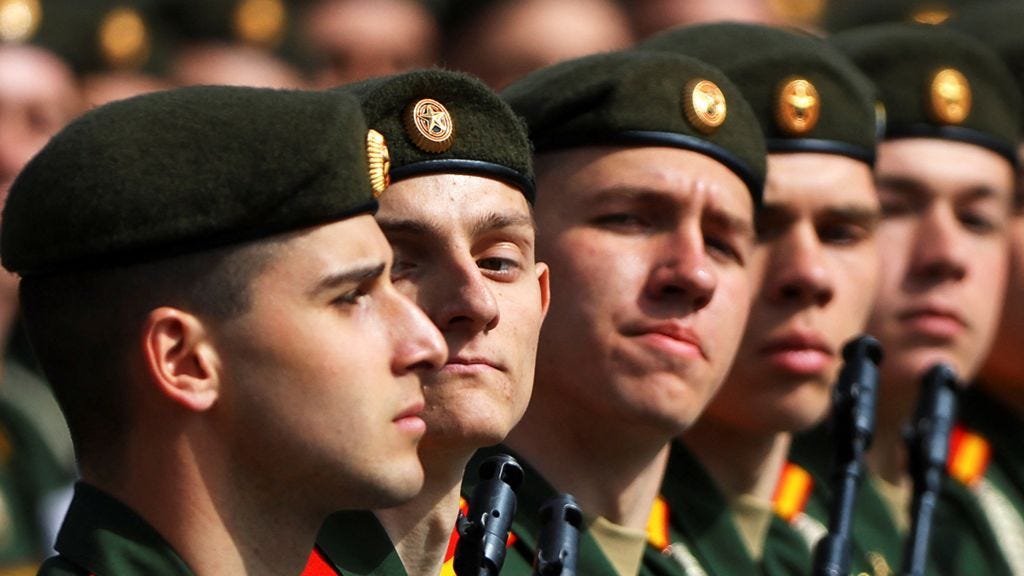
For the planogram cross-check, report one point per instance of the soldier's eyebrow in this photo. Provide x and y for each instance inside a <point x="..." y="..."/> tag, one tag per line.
<point x="356" y="275"/>
<point x="406" y="226"/>
<point x="495" y="221"/>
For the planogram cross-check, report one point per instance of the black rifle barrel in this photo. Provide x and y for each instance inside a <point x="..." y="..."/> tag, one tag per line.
<point x="853" y="417"/>
<point x="559" y="540"/>
<point x="928" y="446"/>
<point x="483" y="533"/>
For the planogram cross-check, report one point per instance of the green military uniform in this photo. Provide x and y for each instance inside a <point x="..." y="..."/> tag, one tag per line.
<point x="103" y="536"/>
<point x="980" y="523"/>
<point x="477" y="134"/>
<point x="29" y="474"/>
<point x="877" y="545"/>
<point x="808" y="98"/>
<point x="702" y="536"/>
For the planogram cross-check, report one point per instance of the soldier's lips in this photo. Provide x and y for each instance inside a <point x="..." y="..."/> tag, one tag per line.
<point x="799" y="353"/>
<point x="470" y="365"/>
<point x="671" y="337"/>
<point x="939" y="322"/>
<point x="410" y="419"/>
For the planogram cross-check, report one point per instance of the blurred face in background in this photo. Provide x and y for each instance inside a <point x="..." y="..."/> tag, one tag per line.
<point x="356" y="39"/>
<point x="946" y="212"/>
<point x="513" y="38"/>
<point x="817" y="260"/>
<point x="38" y="96"/>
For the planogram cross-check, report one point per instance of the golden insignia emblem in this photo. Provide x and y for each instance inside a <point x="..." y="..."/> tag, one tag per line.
<point x="430" y="126"/>
<point x="260" y="22"/>
<point x="933" y="15"/>
<point x="379" y="159"/>
<point x="123" y="38"/>
<point x="950" y="96"/>
<point x="704" y="105"/>
<point x="798" y="106"/>
<point x="881" y="119"/>
<point x="19" y="19"/>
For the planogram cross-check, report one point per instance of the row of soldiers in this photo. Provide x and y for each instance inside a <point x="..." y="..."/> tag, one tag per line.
<point x="259" y="309"/>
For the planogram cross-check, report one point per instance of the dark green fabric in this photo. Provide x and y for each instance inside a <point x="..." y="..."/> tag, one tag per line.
<point x="356" y="544"/>
<point x="534" y="491"/>
<point x="701" y="521"/>
<point x="874" y="531"/>
<point x="999" y="26"/>
<point x="102" y="536"/>
<point x="636" y="98"/>
<point x="902" y="60"/>
<point x="761" y="59"/>
<point x="29" y="473"/>
<point x="965" y="540"/>
<point x="184" y="170"/>
<point x="845" y="14"/>
<point x="489" y="139"/>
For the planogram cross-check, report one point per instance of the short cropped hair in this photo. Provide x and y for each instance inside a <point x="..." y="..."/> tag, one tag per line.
<point x="85" y="328"/>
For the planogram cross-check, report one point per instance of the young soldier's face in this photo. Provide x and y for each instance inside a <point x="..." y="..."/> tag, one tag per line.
<point x="943" y="242"/>
<point x="464" y="252"/>
<point x="325" y="370"/>
<point x="648" y="249"/>
<point x="818" y="264"/>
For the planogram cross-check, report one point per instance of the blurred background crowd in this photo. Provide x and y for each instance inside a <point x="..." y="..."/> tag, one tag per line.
<point x="59" y="58"/>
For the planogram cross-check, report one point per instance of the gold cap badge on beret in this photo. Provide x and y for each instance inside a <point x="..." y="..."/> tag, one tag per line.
<point x="704" y="105"/>
<point x="19" y="19"/>
<point x="931" y="14"/>
<point x="430" y="126"/>
<point x="379" y="160"/>
<point x="950" y="96"/>
<point x="798" y="106"/>
<point x="260" y="22"/>
<point x="123" y="38"/>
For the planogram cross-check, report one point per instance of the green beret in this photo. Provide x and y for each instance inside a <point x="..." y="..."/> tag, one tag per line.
<point x="1000" y="26"/>
<point x="642" y="99"/>
<point x="938" y="83"/>
<point x="806" y="94"/>
<point x="183" y="171"/>
<point x="435" y="121"/>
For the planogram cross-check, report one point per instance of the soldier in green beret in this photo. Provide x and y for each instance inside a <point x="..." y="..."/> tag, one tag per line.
<point x="987" y="462"/>
<point x="649" y="168"/>
<point x="731" y="503"/>
<point x="193" y="282"/>
<point x="945" y="178"/>
<point x="457" y="213"/>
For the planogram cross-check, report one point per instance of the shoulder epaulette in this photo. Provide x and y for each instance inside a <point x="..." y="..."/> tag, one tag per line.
<point x="969" y="455"/>
<point x="792" y="491"/>
<point x="658" y="524"/>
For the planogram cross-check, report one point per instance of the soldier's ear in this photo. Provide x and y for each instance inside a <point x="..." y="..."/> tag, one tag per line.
<point x="180" y="358"/>
<point x="544" y="279"/>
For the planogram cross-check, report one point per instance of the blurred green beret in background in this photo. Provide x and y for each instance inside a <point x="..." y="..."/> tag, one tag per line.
<point x="182" y="171"/>
<point x="936" y="82"/>
<point x="436" y="121"/>
<point x="636" y="98"/>
<point x="1000" y="26"/>
<point x="807" y="96"/>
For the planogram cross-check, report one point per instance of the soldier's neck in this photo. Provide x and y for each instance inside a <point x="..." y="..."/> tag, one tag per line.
<point x="420" y="529"/>
<point x="741" y="461"/>
<point x="887" y="457"/>
<point x="216" y="520"/>
<point x="611" y="472"/>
